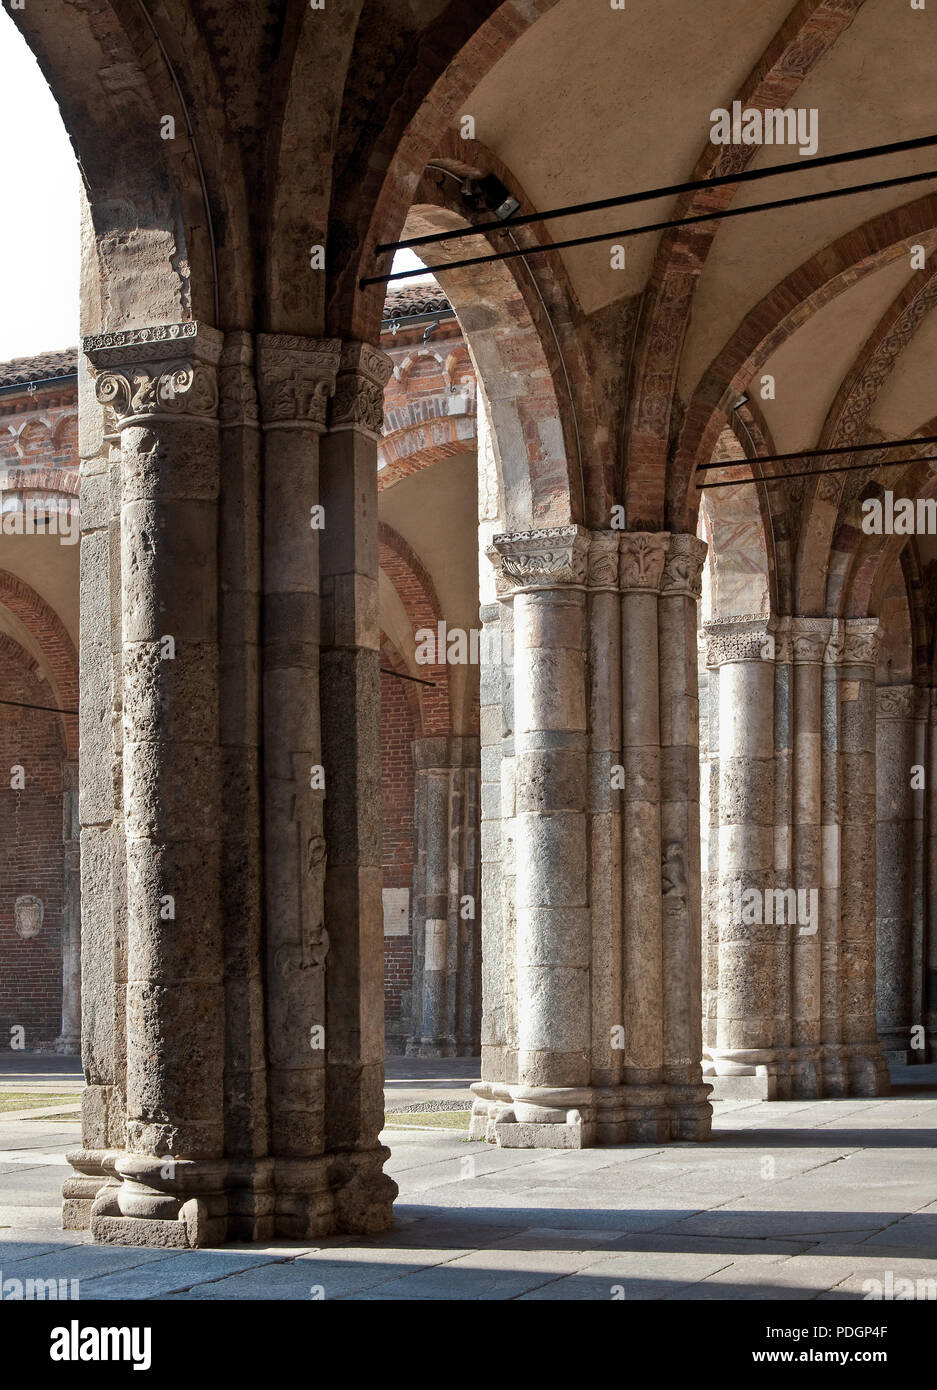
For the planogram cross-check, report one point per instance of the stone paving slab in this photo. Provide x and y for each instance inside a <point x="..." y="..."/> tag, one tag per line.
<point x="852" y="1195"/>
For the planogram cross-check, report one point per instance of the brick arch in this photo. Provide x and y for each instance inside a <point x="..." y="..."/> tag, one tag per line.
<point x="651" y="497"/>
<point x="846" y="423"/>
<point x="33" y="438"/>
<point x="45" y="625"/>
<point x="857" y="253"/>
<point x="422" y="445"/>
<point x="739" y="526"/>
<point x="417" y="593"/>
<point x="518" y="323"/>
<point x="859" y="564"/>
<point x="913" y="573"/>
<point x="53" y="480"/>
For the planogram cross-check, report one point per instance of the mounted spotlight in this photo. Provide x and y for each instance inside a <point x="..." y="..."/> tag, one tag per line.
<point x="488" y="194"/>
<point x="742" y="400"/>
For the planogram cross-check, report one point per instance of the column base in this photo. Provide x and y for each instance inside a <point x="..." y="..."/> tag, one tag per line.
<point x="67" y="1045"/>
<point x="576" y="1118"/>
<point x="183" y="1204"/>
<point x="828" y="1072"/>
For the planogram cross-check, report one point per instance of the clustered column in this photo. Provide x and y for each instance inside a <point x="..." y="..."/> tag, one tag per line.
<point x="445" y="896"/>
<point x="597" y="1004"/>
<point x="232" y="1096"/>
<point x="791" y="933"/>
<point x="898" y="954"/>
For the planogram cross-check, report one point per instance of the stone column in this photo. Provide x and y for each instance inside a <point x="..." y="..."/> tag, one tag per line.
<point x="296" y="376"/>
<point x="865" y="1066"/>
<point x="929" y="1012"/>
<point x="681" y="924"/>
<point x="809" y="638"/>
<point x="350" y="704"/>
<point x="642" y="559"/>
<point x="160" y="389"/>
<point x="69" y="1039"/>
<point x="550" y="1101"/>
<point x="895" y="946"/>
<point x="103" y="857"/>
<point x="751" y="953"/>
<point x="445" y="813"/>
<point x="600" y="999"/>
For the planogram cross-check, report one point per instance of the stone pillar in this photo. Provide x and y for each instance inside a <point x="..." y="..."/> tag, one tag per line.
<point x="296" y="377"/>
<point x="748" y="1050"/>
<point x="867" y="1073"/>
<point x="69" y="1039"/>
<point x="552" y="890"/>
<point x="599" y="1001"/>
<point x="895" y="945"/>
<point x="796" y="777"/>
<point x="103" y="857"/>
<point x="350" y="706"/>
<point x="681" y="924"/>
<point x="444" y="907"/>
<point x="809" y="638"/>
<point x="929" y="1013"/>
<point x="159" y="390"/>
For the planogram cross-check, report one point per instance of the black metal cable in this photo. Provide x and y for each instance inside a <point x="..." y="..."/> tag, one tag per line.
<point x="386" y="671"/>
<point x="800" y="201"/>
<point x="812" y="472"/>
<point x="50" y="709"/>
<point x="695" y="186"/>
<point x="823" y="453"/>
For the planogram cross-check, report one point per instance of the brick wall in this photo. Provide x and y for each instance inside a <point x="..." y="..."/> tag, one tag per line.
<point x="397" y="734"/>
<point x="31" y="852"/>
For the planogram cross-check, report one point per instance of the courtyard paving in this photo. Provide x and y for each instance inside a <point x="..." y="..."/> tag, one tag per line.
<point x="803" y="1200"/>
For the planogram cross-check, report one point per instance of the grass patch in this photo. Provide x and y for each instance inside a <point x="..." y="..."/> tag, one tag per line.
<point x="36" y="1100"/>
<point x="429" y="1119"/>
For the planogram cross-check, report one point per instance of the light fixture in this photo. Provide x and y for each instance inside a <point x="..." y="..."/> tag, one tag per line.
<point x="742" y="400"/>
<point x="488" y="194"/>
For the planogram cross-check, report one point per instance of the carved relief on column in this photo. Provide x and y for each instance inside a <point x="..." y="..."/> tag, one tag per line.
<point x="683" y="569"/>
<point x="810" y="639"/>
<point x="747" y="638"/>
<point x="296" y="379"/>
<point x="643" y="555"/>
<point x="895" y="702"/>
<point x="147" y="374"/>
<point x="862" y="641"/>
<point x="237" y="387"/>
<point x="543" y="559"/>
<point x="603" y="561"/>
<point x="358" y="403"/>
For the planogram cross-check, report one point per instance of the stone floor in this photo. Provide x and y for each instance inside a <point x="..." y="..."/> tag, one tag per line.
<point x="792" y="1201"/>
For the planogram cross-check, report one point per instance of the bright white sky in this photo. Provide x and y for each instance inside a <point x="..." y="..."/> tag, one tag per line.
<point x="39" y="231"/>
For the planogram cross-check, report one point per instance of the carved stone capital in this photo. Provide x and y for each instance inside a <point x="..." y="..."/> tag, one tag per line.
<point x="783" y="647"/>
<point x="359" y="390"/>
<point x="169" y="371"/>
<point x="809" y="640"/>
<point x="603" y="560"/>
<point x="683" y="570"/>
<point x="748" y="638"/>
<point x="894" y="702"/>
<point x="641" y="559"/>
<point x="296" y="377"/>
<point x="863" y="639"/>
<point x="236" y="385"/>
<point x="544" y="559"/>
